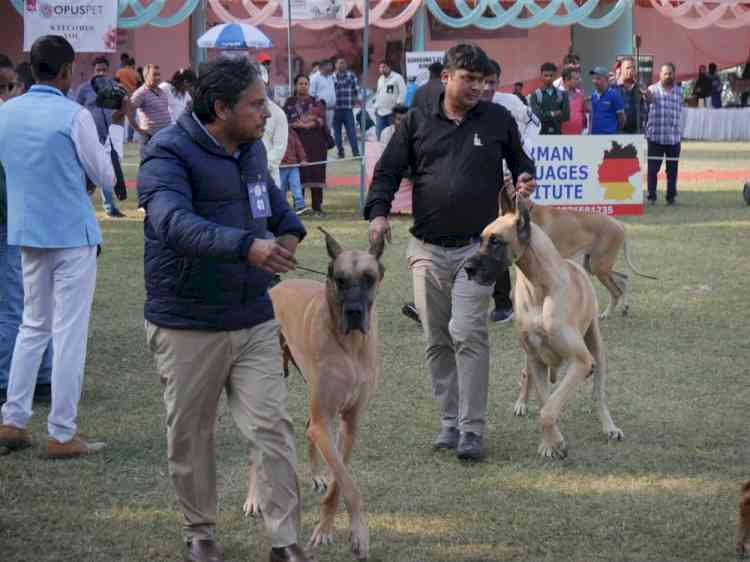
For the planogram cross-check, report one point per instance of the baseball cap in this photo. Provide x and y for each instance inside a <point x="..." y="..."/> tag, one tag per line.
<point x="263" y="57"/>
<point x="599" y="71"/>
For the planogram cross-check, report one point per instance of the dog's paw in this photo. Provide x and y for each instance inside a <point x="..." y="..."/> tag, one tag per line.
<point x="252" y="507"/>
<point x="625" y="309"/>
<point x="604" y="315"/>
<point x="555" y="451"/>
<point x="520" y="409"/>
<point x="360" y="538"/>
<point x="615" y="434"/>
<point x="322" y="536"/>
<point x="320" y="485"/>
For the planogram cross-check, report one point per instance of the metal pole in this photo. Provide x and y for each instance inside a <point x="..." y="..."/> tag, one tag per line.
<point x="363" y="114"/>
<point x="289" y="41"/>
<point x="638" y="82"/>
<point x="197" y="28"/>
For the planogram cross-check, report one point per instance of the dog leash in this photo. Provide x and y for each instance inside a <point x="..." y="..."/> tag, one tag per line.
<point x="311" y="270"/>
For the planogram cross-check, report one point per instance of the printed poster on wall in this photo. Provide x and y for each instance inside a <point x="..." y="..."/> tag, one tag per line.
<point x="418" y="64"/>
<point x="590" y="173"/>
<point x="313" y="9"/>
<point x="89" y="25"/>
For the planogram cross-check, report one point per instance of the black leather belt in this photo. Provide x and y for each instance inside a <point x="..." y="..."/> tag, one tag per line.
<point x="452" y="242"/>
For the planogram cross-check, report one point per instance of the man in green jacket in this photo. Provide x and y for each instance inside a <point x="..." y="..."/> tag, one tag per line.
<point x="548" y="103"/>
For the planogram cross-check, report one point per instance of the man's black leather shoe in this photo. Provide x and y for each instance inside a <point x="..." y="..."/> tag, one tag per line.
<point x="446" y="439"/>
<point x="470" y="447"/>
<point x="291" y="553"/>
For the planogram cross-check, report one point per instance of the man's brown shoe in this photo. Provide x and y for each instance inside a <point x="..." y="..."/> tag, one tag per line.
<point x="12" y="437"/>
<point x="203" y="550"/>
<point x="291" y="553"/>
<point x="76" y="447"/>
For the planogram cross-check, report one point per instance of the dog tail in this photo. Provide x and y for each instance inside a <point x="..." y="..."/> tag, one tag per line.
<point x="287" y="356"/>
<point x="632" y="267"/>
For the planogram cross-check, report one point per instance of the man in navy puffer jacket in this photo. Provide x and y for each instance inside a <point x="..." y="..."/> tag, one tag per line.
<point x="210" y="205"/>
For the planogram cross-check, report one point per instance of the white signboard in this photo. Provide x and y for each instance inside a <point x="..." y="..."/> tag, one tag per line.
<point x="417" y="65"/>
<point x="89" y="25"/>
<point x="590" y="173"/>
<point x="314" y="9"/>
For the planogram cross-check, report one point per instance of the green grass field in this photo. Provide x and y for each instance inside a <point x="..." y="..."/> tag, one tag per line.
<point x="678" y="388"/>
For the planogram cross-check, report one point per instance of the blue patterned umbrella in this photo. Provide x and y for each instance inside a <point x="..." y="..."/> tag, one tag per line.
<point x="234" y="36"/>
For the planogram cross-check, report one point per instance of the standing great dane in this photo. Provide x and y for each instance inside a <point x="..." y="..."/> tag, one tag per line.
<point x="598" y="237"/>
<point x="556" y="314"/>
<point x="331" y="332"/>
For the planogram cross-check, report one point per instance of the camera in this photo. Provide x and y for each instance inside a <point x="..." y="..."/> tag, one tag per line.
<point x="109" y="94"/>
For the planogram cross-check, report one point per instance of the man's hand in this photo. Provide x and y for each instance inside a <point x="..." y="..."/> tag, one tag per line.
<point x="526" y="185"/>
<point x="380" y="229"/>
<point x="118" y="116"/>
<point x="271" y="256"/>
<point x="289" y="241"/>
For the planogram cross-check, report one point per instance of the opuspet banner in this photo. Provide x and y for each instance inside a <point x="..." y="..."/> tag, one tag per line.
<point x="418" y="64"/>
<point x="590" y="173"/>
<point x="313" y="9"/>
<point x="89" y="25"/>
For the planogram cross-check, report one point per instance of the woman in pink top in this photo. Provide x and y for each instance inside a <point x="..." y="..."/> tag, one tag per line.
<point x="572" y="85"/>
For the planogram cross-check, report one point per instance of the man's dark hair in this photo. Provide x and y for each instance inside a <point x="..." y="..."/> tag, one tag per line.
<point x="223" y="79"/>
<point x="436" y="69"/>
<point x="24" y="75"/>
<point x="100" y="60"/>
<point x="183" y="76"/>
<point x="400" y="109"/>
<point x="627" y="59"/>
<point x="124" y="57"/>
<point x="5" y="61"/>
<point x="131" y="61"/>
<point x="494" y="69"/>
<point x="384" y="61"/>
<point x="518" y="84"/>
<point x="571" y="58"/>
<point x="466" y="56"/>
<point x="670" y="65"/>
<point x="49" y="54"/>
<point x="712" y="67"/>
<point x="549" y="67"/>
<point x="567" y="73"/>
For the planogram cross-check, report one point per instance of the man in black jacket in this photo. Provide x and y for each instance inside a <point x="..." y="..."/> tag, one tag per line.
<point x="427" y="94"/>
<point x="455" y="152"/>
<point x="210" y="205"/>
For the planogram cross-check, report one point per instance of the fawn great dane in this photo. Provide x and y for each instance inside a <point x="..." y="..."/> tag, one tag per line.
<point x="556" y="314"/>
<point x="330" y="332"/>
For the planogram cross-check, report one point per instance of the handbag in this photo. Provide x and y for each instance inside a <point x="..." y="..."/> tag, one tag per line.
<point x="330" y="142"/>
<point x="120" y="189"/>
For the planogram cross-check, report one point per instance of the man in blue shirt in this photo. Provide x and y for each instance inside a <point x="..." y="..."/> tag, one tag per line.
<point x="86" y="96"/>
<point x="607" y="105"/>
<point x="11" y="275"/>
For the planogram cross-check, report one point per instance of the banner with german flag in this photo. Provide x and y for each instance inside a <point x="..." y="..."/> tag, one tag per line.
<point x="591" y="173"/>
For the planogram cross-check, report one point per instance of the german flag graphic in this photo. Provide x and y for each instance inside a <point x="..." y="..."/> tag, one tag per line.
<point x="619" y="164"/>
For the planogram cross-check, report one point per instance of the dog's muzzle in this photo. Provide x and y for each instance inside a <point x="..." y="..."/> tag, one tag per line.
<point x="483" y="269"/>
<point x="355" y="317"/>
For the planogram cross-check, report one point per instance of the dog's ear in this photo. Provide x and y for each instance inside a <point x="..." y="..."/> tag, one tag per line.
<point x="333" y="247"/>
<point x="523" y="221"/>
